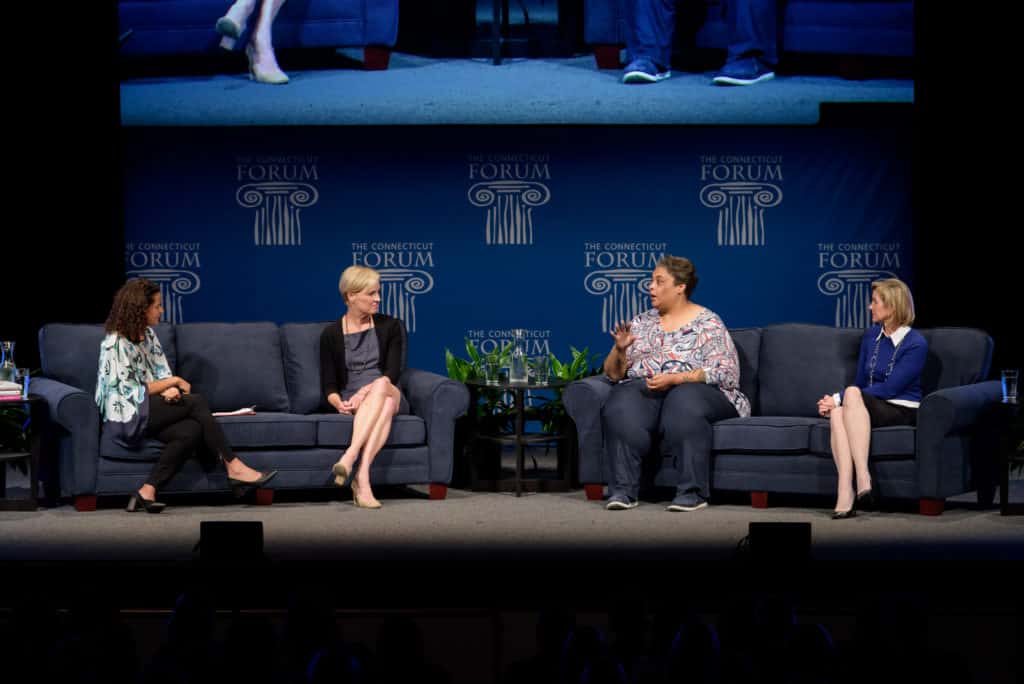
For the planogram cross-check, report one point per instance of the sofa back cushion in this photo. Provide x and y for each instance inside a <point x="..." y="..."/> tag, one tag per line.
<point x="300" y="343"/>
<point x="748" y="348"/>
<point x="233" y="364"/>
<point x="956" y="356"/>
<point x="70" y="352"/>
<point x="799" y="363"/>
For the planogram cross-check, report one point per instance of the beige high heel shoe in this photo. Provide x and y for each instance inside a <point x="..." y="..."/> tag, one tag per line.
<point x="273" y="77"/>
<point x="358" y="503"/>
<point x="232" y="24"/>
<point x="340" y="473"/>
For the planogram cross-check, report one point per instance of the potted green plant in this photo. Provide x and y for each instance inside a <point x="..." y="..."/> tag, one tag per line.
<point x="489" y="413"/>
<point x="492" y="412"/>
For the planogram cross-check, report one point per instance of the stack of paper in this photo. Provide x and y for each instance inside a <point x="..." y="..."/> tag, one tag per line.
<point x="9" y="390"/>
<point x="244" y="411"/>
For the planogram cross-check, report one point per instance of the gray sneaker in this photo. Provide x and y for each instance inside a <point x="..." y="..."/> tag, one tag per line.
<point x="621" y="502"/>
<point x="688" y="502"/>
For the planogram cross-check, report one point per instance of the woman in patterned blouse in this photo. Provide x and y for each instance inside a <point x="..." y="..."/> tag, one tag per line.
<point x="140" y="398"/>
<point x="676" y="372"/>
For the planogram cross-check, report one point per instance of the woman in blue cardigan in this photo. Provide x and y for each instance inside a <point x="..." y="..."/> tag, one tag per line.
<point x="887" y="391"/>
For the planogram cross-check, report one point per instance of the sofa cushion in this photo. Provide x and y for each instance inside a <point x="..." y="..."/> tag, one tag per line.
<point x="268" y="430"/>
<point x="62" y="354"/>
<point x="149" y="450"/>
<point x="898" y="441"/>
<point x="956" y="356"/>
<point x="300" y="343"/>
<point x="800" y="363"/>
<point x="748" y="348"/>
<point x="233" y="364"/>
<point x="763" y="434"/>
<point x="335" y="430"/>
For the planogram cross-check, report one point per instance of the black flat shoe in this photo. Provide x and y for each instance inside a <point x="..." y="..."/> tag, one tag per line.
<point x="139" y="503"/>
<point x="865" y="500"/>
<point x="843" y="515"/>
<point x="240" y="487"/>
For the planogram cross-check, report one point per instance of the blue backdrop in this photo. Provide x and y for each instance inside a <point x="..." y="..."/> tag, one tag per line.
<point x="477" y="231"/>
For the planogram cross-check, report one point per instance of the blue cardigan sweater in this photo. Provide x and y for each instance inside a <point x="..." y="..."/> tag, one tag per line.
<point x="904" y="382"/>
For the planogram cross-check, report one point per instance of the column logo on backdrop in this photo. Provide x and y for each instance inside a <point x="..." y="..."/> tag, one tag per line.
<point x="403" y="275"/>
<point x="741" y="188"/>
<point x="620" y="274"/>
<point x="509" y="187"/>
<point x="849" y="269"/>
<point x="173" y="266"/>
<point x="538" y="340"/>
<point x="277" y="189"/>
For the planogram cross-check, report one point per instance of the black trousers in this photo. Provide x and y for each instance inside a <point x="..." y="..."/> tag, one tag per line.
<point x="682" y="416"/>
<point x="185" y="426"/>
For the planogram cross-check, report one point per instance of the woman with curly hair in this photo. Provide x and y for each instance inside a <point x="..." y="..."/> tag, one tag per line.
<point x="140" y="398"/>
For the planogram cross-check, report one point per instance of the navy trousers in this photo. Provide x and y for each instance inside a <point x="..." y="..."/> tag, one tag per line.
<point x="753" y="30"/>
<point x="681" y="417"/>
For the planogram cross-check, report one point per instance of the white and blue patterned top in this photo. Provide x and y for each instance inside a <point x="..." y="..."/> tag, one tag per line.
<point x="125" y="368"/>
<point x="704" y="343"/>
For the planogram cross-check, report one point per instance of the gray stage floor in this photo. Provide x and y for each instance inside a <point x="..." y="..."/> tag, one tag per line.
<point x="423" y="90"/>
<point x="479" y="526"/>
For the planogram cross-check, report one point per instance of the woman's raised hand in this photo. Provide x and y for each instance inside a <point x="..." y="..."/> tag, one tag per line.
<point x="623" y="338"/>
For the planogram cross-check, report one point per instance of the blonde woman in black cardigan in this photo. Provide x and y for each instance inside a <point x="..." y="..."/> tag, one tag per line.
<point x="360" y="359"/>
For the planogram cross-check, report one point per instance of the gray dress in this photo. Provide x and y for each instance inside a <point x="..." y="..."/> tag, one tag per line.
<point x="362" y="360"/>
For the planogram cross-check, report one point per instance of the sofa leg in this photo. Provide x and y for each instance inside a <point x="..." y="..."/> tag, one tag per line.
<point x="376" y="58"/>
<point x="85" y="503"/>
<point x="438" y="492"/>
<point x="931" y="506"/>
<point x="607" y="56"/>
<point x="594" y="492"/>
<point x="759" y="499"/>
<point x="853" y="68"/>
<point x="264" y="496"/>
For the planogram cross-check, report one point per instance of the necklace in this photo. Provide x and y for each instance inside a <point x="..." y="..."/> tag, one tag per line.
<point x="874" y="362"/>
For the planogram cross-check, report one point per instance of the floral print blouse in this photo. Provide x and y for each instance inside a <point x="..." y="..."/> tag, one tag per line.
<point x="124" y="370"/>
<point x="702" y="343"/>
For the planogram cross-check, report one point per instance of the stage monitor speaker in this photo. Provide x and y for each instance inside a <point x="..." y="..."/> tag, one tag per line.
<point x="230" y="540"/>
<point x="784" y="541"/>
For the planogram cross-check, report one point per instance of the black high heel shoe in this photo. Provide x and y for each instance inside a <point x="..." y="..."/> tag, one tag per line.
<point x="240" y="487"/>
<point x="140" y="503"/>
<point x="865" y="500"/>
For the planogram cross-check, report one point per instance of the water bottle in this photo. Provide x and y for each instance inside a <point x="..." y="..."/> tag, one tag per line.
<point x="517" y="370"/>
<point x="8" y="368"/>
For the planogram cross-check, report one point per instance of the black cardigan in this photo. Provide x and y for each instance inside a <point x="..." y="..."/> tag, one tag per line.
<point x="334" y="374"/>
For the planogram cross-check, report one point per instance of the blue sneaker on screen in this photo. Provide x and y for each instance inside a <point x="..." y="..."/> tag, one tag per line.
<point x="644" y="70"/>
<point x="745" y="71"/>
<point x="688" y="502"/>
<point x="621" y="502"/>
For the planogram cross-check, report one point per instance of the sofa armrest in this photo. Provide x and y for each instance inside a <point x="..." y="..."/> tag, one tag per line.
<point x="439" y="401"/>
<point x="78" y="452"/>
<point x="945" y="421"/>
<point x="583" y="401"/>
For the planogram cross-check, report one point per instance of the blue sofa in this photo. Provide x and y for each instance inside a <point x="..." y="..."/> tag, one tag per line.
<point x="182" y="27"/>
<point x="848" y="27"/>
<point x="784" y="445"/>
<point x="277" y="369"/>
